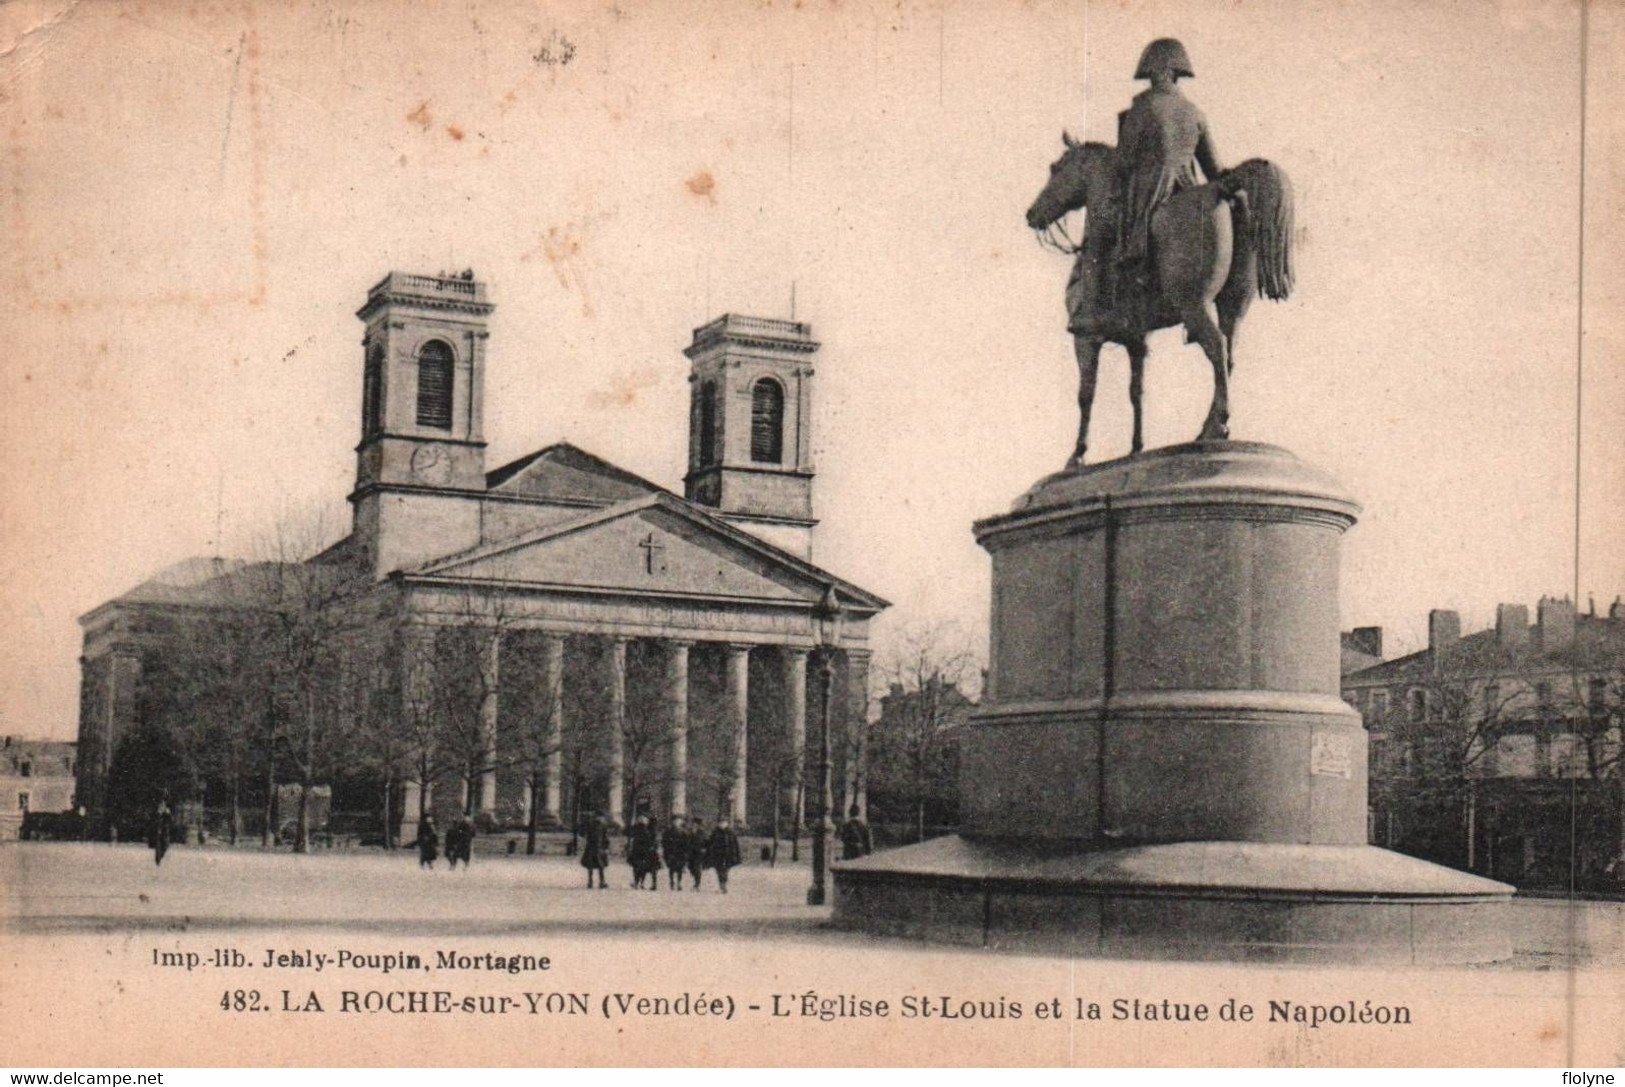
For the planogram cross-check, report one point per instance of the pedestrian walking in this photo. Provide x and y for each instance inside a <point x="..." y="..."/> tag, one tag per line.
<point x="643" y="853"/>
<point x="595" y="849"/>
<point x="855" y="839"/>
<point x="674" y="844"/>
<point x="722" y="852"/>
<point x="697" y="841"/>
<point x="162" y="823"/>
<point x="460" y="842"/>
<point x="428" y="843"/>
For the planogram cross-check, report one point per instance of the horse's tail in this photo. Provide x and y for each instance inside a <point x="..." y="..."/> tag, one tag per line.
<point x="1269" y="218"/>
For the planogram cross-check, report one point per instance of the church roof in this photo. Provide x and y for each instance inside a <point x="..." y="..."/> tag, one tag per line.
<point x="209" y="582"/>
<point x="470" y="563"/>
<point x="569" y="473"/>
<point x="197" y="581"/>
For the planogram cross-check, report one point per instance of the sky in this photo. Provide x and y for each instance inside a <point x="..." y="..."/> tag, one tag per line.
<point x="197" y="197"/>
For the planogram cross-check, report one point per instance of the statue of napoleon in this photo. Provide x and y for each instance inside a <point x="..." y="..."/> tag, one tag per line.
<point x="1170" y="238"/>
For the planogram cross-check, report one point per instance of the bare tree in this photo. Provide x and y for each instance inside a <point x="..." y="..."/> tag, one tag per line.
<point x="1594" y="708"/>
<point x="379" y="724"/>
<point x="307" y="611"/>
<point x="1442" y="736"/>
<point x="549" y="725"/>
<point x="931" y="673"/>
<point x="465" y="687"/>
<point x="646" y="742"/>
<point x="209" y="698"/>
<point x="423" y="760"/>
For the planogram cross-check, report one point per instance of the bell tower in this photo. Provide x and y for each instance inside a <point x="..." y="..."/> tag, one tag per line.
<point x="750" y="443"/>
<point x="420" y="465"/>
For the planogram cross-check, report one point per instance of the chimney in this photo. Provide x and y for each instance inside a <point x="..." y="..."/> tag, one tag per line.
<point x="1512" y="626"/>
<point x="1616" y="610"/>
<point x="1556" y="619"/>
<point x="1444" y="630"/>
<point x="1367" y="640"/>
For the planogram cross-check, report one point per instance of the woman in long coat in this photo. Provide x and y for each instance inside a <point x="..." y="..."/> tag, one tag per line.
<point x="162" y="824"/>
<point x="643" y="853"/>
<point x="595" y="849"/>
<point x="722" y="852"/>
<point x="428" y="843"/>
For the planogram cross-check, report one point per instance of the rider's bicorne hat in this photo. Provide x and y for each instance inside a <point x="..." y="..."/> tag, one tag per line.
<point x="1164" y="52"/>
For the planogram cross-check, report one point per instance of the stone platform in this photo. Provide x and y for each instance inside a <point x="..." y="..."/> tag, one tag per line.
<point x="1188" y="901"/>
<point x="1162" y="760"/>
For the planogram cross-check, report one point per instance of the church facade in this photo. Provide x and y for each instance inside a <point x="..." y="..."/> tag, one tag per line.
<point x="633" y="648"/>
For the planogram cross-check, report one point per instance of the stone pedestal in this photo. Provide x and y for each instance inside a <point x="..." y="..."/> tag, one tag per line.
<point x="1162" y="761"/>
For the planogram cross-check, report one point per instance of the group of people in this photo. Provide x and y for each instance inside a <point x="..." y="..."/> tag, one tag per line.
<point x="681" y="847"/>
<point x="459" y="842"/>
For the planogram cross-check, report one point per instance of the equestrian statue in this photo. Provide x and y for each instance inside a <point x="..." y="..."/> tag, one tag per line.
<point x="1170" y="238"/>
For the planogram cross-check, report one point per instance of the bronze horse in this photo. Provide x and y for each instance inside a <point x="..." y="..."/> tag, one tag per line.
<point x="1213" y="247"/>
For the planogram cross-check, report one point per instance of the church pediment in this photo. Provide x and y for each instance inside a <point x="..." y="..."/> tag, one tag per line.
<point x="658" y="545"/>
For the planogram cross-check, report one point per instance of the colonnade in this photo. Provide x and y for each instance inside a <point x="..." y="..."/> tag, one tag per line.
<point x="674" y="673"/>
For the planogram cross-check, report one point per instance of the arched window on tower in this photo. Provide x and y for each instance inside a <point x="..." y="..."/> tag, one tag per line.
<point x="434" y="385"/>
<point x="767" y="421"/>
<point x="372" y="392"/>
<point x="708" y="424"/>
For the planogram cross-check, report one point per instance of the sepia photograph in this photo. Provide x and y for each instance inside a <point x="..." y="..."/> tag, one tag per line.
<point x="819" y="533"/>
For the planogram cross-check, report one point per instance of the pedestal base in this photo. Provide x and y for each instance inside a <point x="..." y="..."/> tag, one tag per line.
<point x="1187" y="900"/>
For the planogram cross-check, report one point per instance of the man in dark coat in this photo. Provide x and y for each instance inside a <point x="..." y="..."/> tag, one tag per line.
<point x="460" y="842"/>
<point x="643" y="853"/>
<point x="428" y="843"/>
<point x="595" y="849"/>
<point x="855" y="839"/>
<point x="674" y="844"/>
<point x="697" y="842"/>
<point x="722" y="852"/>
<point x="162" y="824"/>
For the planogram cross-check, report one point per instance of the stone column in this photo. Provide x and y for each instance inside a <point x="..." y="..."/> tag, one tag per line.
<point x="795" y="717"/>
<point x="553" y="739"/>
<point x="411" y="801"/>
<point x="857" y="702"/>
<point x="737" y="704"/>
<point x="489" y="673"/>
<point x="677" y="707"/>
<point x="617" y="732"/>
<point x="417" y="644"/>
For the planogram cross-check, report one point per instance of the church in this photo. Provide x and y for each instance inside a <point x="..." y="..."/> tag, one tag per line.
<point x="637" y="649"/>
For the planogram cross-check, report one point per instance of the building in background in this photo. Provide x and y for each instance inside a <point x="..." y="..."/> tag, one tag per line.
<point x="1499" y="751"/>
<point x="36" y="777"/>
<point x="518" y="644"/>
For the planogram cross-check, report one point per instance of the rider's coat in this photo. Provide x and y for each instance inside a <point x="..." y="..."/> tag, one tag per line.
<point x="1162" y="139"/>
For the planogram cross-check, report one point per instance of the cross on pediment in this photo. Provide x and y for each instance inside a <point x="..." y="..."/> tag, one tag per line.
<point x="652" y="548"/>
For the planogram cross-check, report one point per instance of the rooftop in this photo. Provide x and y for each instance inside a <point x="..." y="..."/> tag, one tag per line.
<point x="767" y="331"/>
<point x="1599" y="642"/>
<point x="460" y="290"/>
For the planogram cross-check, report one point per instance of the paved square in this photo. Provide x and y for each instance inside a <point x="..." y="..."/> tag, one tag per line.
<point x="61" y="887"/>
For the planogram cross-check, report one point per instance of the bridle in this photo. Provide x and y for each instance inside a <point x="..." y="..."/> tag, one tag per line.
<point x="1055" y="238"/>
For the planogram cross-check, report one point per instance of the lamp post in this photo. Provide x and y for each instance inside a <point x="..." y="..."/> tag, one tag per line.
<point x="827" y="616"/>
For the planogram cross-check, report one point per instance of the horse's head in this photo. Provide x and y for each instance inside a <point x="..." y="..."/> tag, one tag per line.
<point x="1071" y="178"/>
